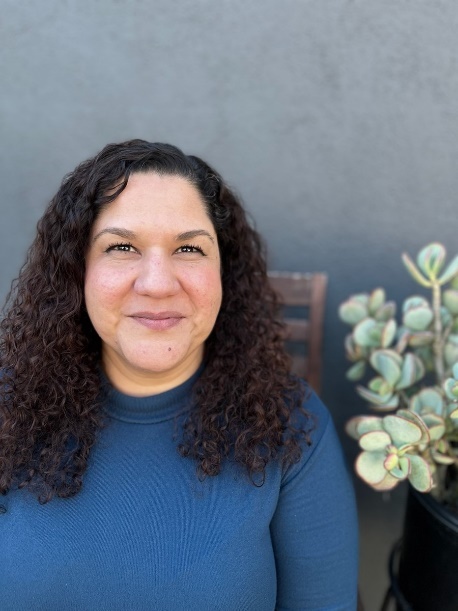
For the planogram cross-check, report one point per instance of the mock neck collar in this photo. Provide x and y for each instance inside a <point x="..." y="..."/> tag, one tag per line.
<point x="151" y="409"/>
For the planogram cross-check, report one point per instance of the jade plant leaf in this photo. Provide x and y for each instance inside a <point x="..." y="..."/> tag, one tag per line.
<point x="414" y="272"/>
<point x="356" y="371"/>
<point x="369" y="466"/>
<point x="450" y="271"/>
<point x="388" y="401"/>
<point x="370" y="423"/>
<point x="376" y="300"/>
<point x="388" y="333"/>
<point x="420" y="474"/>
<point x="427" y="401"/>
<point x="402" y="470"/>
<point x="391" y="461"/>
<point x="451" y="388"/>
<point x="368" y="332"/>
<point x="450" y="300"/>
<point x="387" y="483"/>
<point x="418" y="319"/>
<point x="402" y="431"/>
<point x="451" y="350"/>
<point x="418" y="421"/>
<point x="412" y="371"/>
<point x="352" y="311"/>
<point x="446" y="317"/>
<point x="431" y="259"/>
<point x="374" y="441"/>
<point x="421" y="338"/>
<point x="435" y="424"/>
<point x="455" y="371"/>
<point x="388" y="364"/>
<point x="385" y="312"/>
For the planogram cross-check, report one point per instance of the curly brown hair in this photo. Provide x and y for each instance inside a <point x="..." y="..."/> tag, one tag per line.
<point x="246" y="403"/>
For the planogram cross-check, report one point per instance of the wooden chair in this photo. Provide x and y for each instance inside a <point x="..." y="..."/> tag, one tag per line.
<point x="303" y="296"/>
<point x="306" y="291"/>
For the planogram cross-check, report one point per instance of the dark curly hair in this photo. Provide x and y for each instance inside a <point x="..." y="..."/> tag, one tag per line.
<point x="246" y="403"/>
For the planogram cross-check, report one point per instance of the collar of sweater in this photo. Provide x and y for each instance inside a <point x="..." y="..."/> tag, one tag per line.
<point x="151" y="409"/>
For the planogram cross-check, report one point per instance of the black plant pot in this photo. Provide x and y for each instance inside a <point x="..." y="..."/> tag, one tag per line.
<point x="428" y="565"/>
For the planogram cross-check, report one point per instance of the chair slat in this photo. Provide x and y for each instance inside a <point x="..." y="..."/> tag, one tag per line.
<point x="307" y="290"/>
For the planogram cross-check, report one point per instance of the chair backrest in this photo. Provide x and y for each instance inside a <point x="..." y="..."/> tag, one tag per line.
<point x="303" y="296"/>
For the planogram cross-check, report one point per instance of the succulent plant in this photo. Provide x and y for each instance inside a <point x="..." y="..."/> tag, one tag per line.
<point x="414" y="386"/>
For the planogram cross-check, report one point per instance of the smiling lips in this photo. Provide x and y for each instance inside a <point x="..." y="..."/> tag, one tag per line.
<point x="159" y="321"/>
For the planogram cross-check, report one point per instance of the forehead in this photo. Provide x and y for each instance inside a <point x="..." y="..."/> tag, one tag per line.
<point x="157" y="199"/>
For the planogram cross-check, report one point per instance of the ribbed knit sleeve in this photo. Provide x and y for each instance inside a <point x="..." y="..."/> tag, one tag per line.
<point x="314" y="529"/>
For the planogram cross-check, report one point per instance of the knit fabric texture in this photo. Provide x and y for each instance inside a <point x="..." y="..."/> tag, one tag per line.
<point x="145" y="533"/>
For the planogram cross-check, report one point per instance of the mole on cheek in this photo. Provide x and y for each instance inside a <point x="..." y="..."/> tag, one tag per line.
<point x="169" y="349"/>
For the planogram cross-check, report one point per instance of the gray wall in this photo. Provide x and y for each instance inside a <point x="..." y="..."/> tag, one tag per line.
<point x="335" y="120"/>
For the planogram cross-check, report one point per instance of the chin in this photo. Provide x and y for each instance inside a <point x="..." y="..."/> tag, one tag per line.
<point x="163" y="360"/>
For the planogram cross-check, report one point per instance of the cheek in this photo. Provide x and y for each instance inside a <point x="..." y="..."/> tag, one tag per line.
<point x="210" y="292"/>
<point x="102" y="289"/>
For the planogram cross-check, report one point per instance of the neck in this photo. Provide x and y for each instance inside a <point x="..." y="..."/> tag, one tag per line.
<point x="142" y="383"/>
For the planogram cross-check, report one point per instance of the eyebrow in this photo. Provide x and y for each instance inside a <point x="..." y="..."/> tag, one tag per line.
<point x="131" y="235"/>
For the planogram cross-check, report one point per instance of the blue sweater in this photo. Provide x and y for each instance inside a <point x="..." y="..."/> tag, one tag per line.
<point x="144" y="533"/>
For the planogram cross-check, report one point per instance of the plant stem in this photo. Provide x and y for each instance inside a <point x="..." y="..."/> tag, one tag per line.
<point x="438" y="340"/>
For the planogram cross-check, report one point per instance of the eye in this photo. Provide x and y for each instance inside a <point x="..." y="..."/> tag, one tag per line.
<point x="120" y="247"/>
<point x="190" y="248"/>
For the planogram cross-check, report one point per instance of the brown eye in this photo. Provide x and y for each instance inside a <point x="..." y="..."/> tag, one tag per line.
<point x="190" y="248"/>
<point x="121" y="247"/>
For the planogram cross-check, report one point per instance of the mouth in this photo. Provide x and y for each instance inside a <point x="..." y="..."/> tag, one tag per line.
<point x="158" y="321"/>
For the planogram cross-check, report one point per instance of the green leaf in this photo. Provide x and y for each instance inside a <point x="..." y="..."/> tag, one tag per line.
<point x="427" y="401"/>
<point x="402" y="431"/>
<point x="388" y="333"/>
<point x="374" y="441"/>
<point x="376" y="300"/>
<point x="451" y="388"/>
<point x="387" y="483"/>
<point x="356" y="372"/>
<point x="367" y="333"/>
<point x="431" y="259"/>
<point x="369" y="466"/>
<point x="351" y="427"/>
<point x="362" y="298"/>
<point x="418" y="421"/>
<point x="414" y="271"/>
<point x="451" y="351"/>
<point x="352" y="311"/>
<point x="374" y="398"/>
<point x="385" y="312"/>
<point x="421" y="338"/>
<point x="398" y="467"/>
<point x="412" y="371"/>
<point x="450" y="271"/>
<point x="367" y="424"/>
<point x="450" y="300"/>
<point x="391" y="461"/>
<point x="442" y="459"/>
<point x="376" y="385"/>
<point x="454" y="414"/>
<point x="387" y="365"/>
<point x="415" y="301"/>
<point x="435" y="424"/>
<point x="418" y="319"/>
<point x="446" y="317"/>
<point x="420" y="474"/>
<point x="455" y="371"/>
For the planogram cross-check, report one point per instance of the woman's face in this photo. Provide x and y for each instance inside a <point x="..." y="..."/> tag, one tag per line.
<point x="153" y="285"/>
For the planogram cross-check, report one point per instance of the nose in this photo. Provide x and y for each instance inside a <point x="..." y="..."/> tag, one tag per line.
<point x="156" y="277"/>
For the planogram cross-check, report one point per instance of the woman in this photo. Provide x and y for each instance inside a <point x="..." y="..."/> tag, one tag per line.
<point x="142" y="323"/>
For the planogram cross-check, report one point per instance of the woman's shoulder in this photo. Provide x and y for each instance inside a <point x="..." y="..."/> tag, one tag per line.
<point x="321" y="442"/>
